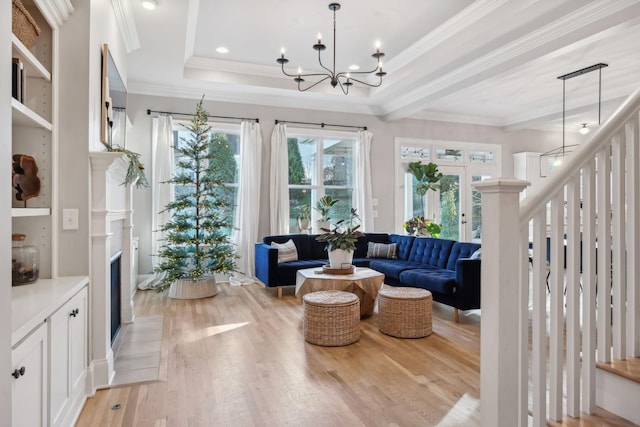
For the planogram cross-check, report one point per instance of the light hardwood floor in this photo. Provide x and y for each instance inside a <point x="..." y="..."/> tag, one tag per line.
<point x="240" y="359"/>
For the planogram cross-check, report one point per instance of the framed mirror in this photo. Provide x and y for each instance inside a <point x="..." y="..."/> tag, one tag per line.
<point x="114" y="103"/>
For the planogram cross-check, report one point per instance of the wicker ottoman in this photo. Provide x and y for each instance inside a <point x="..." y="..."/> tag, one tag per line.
<point x="404" y="312"/>
<point x="331" y="318"/>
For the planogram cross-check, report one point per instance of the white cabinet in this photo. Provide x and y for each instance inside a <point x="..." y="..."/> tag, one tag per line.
<point x="68" y="356"/>
<point x="50" y="340"/>
<point x="29" y="380"/>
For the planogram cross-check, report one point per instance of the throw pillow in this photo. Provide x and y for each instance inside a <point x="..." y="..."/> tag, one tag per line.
<point x="382" y="250"/>
<point x="476" y="254"/>
<point x="286" y="251"/>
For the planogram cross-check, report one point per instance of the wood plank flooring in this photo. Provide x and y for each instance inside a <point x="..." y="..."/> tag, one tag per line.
<point x="240" y="359"/>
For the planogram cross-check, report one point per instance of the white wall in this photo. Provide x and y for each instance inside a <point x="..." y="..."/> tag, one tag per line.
<point x="139" y="140"/>
<point x="90" y="26"/>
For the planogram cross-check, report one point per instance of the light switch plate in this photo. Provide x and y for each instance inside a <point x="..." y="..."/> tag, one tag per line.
<point x="70" y="219"/>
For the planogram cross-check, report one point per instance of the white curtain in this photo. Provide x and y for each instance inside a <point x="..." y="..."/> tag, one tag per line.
<point x="162" y="164"/>
<point x="245" y="234"/>
<point x="363" y="199"/>
<point x="279" y="181"/>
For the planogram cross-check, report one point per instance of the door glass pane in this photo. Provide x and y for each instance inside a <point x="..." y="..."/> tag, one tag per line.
<point x="338" y="162"/>
<point x="449" y="155"/>
<point x="414" y="153"/>
<point x="450" y="207"/>
<point x="476" y="210"/>
<point x="481" y="156"/>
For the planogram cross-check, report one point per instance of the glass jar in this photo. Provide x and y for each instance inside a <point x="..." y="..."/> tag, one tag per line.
<point x="24" y="261"/>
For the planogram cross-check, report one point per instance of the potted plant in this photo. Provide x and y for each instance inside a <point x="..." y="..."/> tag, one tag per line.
<point x="420" y="226"/>
<point x="428" y="178"/>
<point x="304" y="218"/>
<point x="341" y="240"/>
<point x="196" y="246"/>
<point x="323" y="206"/>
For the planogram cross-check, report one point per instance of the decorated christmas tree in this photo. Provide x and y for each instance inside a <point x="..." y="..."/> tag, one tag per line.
<point x="196" y="243"/>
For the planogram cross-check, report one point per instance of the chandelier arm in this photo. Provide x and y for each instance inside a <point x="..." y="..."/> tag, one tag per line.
<point x="366" y="83"/>
<point x="345" y="91"/>
<point x="344" y="73"/>
<point x="304" y="75"/>
<point x="315" y="84"/>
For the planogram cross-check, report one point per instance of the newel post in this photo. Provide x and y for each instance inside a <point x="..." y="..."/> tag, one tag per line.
<point x="499" y="328"/>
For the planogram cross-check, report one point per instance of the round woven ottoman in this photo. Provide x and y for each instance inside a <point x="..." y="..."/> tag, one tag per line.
<point x="331" y="318"/>
<point x="404" y="312"/>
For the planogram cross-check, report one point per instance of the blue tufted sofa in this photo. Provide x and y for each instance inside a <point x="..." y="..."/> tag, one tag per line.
<point x="438" y="265"/>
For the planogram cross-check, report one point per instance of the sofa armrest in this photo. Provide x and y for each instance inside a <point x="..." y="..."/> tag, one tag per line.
<point x="468" y="283"/>
<point x="266" y="264"/>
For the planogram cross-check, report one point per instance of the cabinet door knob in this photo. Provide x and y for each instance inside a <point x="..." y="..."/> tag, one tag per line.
<point x="74" y="312"/>
<point x="18" y="372"/>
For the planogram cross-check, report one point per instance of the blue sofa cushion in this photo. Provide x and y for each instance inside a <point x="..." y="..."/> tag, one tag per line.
<point x="430" y="251"/>
<point x="404" y="245"/>
<point x="287" y="271"/>
<point x="461" y="250"/>
<point x="392" y="267"/>
<point x="441" y="281"/>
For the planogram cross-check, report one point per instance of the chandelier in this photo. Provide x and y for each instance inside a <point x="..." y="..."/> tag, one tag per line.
<point x="342" y="79"/>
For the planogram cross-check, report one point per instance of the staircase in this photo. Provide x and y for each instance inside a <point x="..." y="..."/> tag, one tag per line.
<point x="561" y="285"/>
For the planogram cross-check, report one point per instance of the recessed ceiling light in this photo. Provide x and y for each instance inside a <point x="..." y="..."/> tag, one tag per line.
<point x="354" y="67"/>
<point x="222" y="50"/>
<point x="149" y="4"/>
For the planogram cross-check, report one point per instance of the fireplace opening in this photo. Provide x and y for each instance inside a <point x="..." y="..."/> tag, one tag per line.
<point x="116" y="277"/>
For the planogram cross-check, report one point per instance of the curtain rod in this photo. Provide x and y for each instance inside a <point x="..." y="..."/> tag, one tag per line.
<point x="208" y="115"/>
<point x="321" y="124"/>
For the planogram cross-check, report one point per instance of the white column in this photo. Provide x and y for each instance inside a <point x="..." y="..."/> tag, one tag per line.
<point x="499" y="367"/>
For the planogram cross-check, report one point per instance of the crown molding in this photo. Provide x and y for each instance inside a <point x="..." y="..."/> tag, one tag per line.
<point x="56" y="12"/>
<point x="124" y="17"/>
<point x="257" y="96"/>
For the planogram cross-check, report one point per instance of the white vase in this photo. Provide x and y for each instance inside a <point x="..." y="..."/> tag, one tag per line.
<point x="339" y="258"/>
<point x="192" y="289"/>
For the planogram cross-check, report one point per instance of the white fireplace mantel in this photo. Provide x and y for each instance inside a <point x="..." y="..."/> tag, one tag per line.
<point x="111" y="213"/>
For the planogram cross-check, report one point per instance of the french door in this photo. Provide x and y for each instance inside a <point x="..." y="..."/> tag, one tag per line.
<point x="457" y="205"/>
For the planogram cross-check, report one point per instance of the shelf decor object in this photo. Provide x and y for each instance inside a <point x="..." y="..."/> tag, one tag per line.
<point x="23" y="25"/>
<point x="344" y="79"/>
<point x="25" y="177"/>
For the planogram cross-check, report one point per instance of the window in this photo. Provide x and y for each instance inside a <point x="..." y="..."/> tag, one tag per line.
<point x="318" y="165"/>
<point x="224" y="140"/>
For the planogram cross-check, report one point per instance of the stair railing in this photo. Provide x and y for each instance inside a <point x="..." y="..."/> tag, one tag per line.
<point x="577" y="238"/>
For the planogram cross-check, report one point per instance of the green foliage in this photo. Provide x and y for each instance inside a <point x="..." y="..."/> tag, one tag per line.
<point x="196" y="243"/>
<point x="427" y="176"/>
<point x="296" y="168"/>
<point x="449" y="209"/>
<point x="343" y="235"/>
<point x="324" y="205"/>
<point x="420" y="226"/>
<point x="304" y="212"/>
<point x="135" y="171"/>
